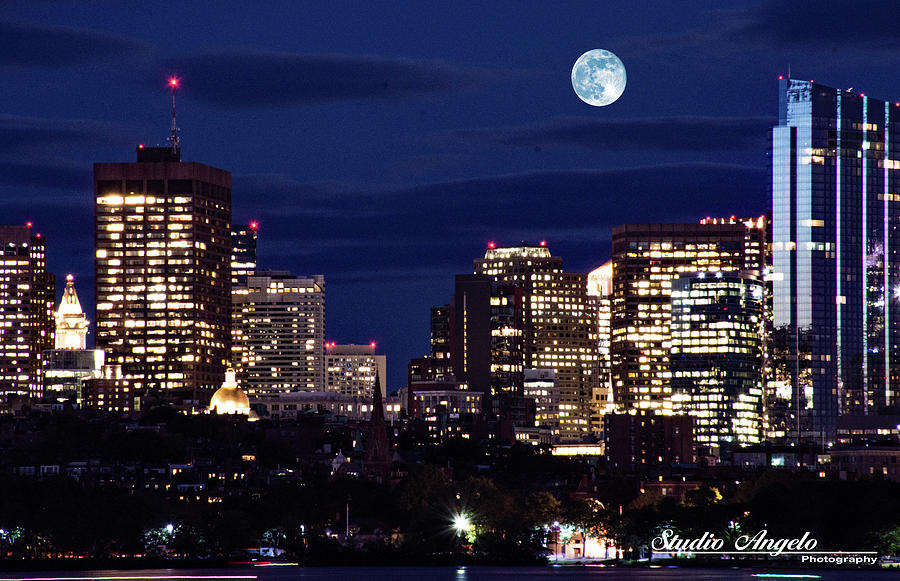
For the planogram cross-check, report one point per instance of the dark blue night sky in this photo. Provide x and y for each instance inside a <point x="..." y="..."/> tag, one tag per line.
<point x="384" y="144"/>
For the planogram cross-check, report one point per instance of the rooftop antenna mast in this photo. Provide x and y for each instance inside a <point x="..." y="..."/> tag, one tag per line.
<point x="173" y="138"/>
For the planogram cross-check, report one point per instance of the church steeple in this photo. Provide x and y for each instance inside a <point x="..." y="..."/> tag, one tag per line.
<point x="377" y="462"/>
<point x="71" y="323"/>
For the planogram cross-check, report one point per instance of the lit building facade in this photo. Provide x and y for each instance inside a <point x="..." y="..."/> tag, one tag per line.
<point x="718" y="332"/>
<point x="600" y="285"/>
<point x="111" y="391"/>
<point x="836" y="282"/>
<point x="646" y="259"/>
<point x="162" y="274"/>
<point x="290" y="405"/>
<point x="278" y="332"/>
<point x="560" y="329"/>
<point x="66" y="367"/>
<point x="441" y="340"/>
<point x="27" y="297"/>
<point x="542" y="387"/>
<point x="488" y="336"/>
<point x="243" y="252"/>
<point x="352" y="369"/>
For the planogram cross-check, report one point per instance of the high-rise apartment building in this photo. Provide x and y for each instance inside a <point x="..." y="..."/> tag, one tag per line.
<point x="718" y="330"/>
<point x="278" y="332"/>
<point x="27" y="296"/>
<point x="836" y="281"/>
<point x="162" y="273"/>
<point x="559" y="325"/>
<point x="353" y="369"/>
<point x="646" y="259"/>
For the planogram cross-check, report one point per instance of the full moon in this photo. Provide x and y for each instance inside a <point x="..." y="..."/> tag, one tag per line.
<point x="598" y="77"/>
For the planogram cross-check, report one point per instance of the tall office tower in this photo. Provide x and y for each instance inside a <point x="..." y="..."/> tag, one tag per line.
<point x="488" y="337"/>
<point x="559" y="325"/>
<point x="278" y="332"/>
<point x="27" y="295"/>
<point x="352" y="369"/>
<point x="602" y="402"/>
<point x="162" y="273"/>
<point x="718" y="332"/>
<point x="243" y="252"/>
<point x="836" y="285"/>
<point x="646" y="258"/>
<point x="66" y="367"/>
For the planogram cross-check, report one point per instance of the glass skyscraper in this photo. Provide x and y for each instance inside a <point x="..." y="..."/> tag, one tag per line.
<point x="718" y="326"/>
<point x="835" y="209"/>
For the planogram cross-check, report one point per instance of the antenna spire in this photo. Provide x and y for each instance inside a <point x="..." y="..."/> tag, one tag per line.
<point x="173" y="138"/>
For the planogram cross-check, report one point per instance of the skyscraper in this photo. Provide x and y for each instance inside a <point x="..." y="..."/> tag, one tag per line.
<point x="27" y="294"/>
<point x="836" y="281"/>
<point x="162" y="273"/>
<point x="488" y="336"/>
<point x="646" y="259"/>
<point x="718" y="329"/>
<point x="559" y="325"/>
<point x="278" y="332"/>
<point x="243" y="252"/>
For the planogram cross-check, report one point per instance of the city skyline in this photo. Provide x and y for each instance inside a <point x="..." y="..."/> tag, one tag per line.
<point x="394" y="119"/>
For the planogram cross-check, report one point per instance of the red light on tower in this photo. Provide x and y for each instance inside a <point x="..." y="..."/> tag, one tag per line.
<point x="543" y="243"/>
<point x="140" y="146"/>
<point x="254" y="225"/>
<point x="28" y="224"/>
<point x="491" y="245"/>
<point x="780" y="77"/>
<point x="372" y="344"/>
<point x="173" y="82"/>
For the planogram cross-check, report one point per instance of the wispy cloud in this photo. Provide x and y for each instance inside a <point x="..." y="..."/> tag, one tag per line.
<point x="20" y="132"/>
<point x="683" y="133"/>
<point x="41" y="45"/>
<point x="256" y="78"/>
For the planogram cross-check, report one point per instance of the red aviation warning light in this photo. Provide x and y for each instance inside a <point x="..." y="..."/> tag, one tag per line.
<point x="254" y="225"/>
<point x="372" y="344"/>
<point x="491" y="245"/>
<point x="543" y="243"/>
<point x="173" y="81"/>
<point x="28" y="224"/>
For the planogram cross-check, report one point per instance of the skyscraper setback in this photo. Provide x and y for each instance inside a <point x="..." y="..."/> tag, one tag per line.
<point x="836" y="285"/>
<point x="162" y="281"/>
